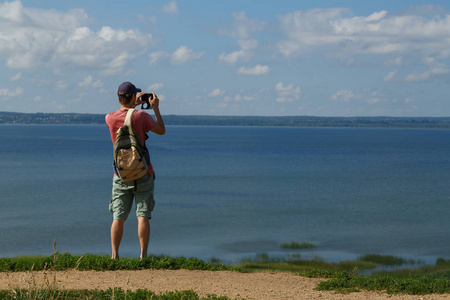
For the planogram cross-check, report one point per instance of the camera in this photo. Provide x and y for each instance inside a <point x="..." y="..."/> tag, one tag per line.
<point x="146" y="97"/>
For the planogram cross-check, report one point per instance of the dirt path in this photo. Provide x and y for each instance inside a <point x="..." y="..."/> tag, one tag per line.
<point x="222" y="283"/>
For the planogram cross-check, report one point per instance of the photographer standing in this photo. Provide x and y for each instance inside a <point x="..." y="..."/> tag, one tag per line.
<point x="141" y="190"/>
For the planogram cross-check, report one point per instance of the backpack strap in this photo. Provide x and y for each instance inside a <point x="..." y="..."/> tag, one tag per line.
<point x="128" y="118"/>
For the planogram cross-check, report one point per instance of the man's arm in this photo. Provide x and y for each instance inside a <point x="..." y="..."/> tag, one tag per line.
<point x="159" y="127"/>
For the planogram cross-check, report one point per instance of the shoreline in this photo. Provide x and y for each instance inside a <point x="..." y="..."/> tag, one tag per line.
<point x="264" y="279"/>
<point x="252" y="121"/>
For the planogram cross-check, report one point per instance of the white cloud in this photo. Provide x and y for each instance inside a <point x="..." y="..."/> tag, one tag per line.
<point x="256" y="70"/>
<point x="390" y="77"/>
<point x="373" y="100"/>
<point x="103" y="49"/>
<point x="233" y="57"/>
<point x="345" y="96"/>
<point x="216" y="93"/>
<point x="183" y="54"/>
<point x="89" y="81"/>
<point x="16" y="77"/>
<point x="239" y="97"/>
<point x="287" y="93"/>
<point x="398" y="61"/>
<point x="146" y="20"/>
<point x="31" y="38"/>
<point x="155" y="87"/>
<point x="427" y="75"/>
<point x="170" y="8"/>
<point x="61" y="85"/>
<point x="335" y="32"/>
<point x="242" y="26"/>
<point x="434" y="69"/>
<point x="156" y="57"/>
<point x="247" y="45"/>
<point x="180" y="56"/>
<point x="11" y="93"/>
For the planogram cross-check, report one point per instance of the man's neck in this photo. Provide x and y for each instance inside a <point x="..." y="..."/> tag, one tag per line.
<point x="125" y="107"/>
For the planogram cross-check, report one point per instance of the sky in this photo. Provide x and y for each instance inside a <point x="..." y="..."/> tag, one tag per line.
<point x="234" y="58"/>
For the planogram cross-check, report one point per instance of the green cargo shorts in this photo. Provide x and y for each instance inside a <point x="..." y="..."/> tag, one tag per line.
<point x="123" y="194"/>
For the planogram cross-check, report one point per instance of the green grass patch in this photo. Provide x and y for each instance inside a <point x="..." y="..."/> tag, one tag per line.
<point x="59" y="262"/>
<point x="345" y="276"/>
<point x="390" y="284"/>
<point x="116" y="293"/>
<point x="263" y="262"/>
<point x="388" y="260"/>
<point x="297" y="245"/>
<point x="67" y="261"/>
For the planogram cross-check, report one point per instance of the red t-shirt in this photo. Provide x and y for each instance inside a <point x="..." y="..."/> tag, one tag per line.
<point x="142" y="123"/>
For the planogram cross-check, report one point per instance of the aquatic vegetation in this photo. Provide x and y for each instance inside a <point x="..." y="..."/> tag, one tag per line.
<point x="297" y="245"/>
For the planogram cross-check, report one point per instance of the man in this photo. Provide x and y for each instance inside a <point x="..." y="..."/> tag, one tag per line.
<point x="142" y="189"/>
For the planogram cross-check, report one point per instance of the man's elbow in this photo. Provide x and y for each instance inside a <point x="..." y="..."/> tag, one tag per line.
<point x="162" y="131"/>
<point x="158" y="130"/>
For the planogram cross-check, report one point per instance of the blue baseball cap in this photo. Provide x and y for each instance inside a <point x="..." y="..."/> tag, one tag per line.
<point x="128" y="88"/>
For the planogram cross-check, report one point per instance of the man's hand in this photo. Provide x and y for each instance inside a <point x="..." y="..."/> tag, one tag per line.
<point x="138" y="99"/>
<point x="154" y="102"/>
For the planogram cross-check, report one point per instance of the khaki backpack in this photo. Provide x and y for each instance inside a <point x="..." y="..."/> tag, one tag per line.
<point x="129" y="152"/>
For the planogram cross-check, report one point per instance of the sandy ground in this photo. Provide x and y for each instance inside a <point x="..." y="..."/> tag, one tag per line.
<point x="221" y="283"/>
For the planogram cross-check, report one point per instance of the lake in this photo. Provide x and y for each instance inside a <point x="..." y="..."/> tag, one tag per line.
<point x="233" y="192"/>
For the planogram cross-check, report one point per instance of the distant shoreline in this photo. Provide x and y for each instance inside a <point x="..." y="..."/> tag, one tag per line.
<point x="286" y="121"/>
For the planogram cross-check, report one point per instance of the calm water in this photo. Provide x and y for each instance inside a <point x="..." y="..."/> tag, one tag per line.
<point x="233" y="192"/>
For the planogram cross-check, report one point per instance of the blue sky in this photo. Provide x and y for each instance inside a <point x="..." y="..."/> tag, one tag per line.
<point x="203" y="57"/>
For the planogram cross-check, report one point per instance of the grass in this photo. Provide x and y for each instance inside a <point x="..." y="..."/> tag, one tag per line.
<point x="297" y="245"/>
<point x="344" y="277"/>
<point x="116" y="293"/>
<point x="388" y="260"/>
<point x="60" y="262"/>
<point x="263" y="262"/>
<point x="390" y="284"/>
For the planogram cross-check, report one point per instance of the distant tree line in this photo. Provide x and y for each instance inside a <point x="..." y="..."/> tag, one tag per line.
<point x="295" y="121"/>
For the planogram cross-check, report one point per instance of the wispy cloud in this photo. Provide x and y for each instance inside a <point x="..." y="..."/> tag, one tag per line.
<point x="345" y="96"/>
<point x="180" y="56"/>
<point x="170" y="8"/>
<point x="390" y="77"/>
<point x="90" y="82"/>
<point x="7" y="93"/>
<point x="242" y="29"/>
<point x="287" y="93"/>
<point x="256" y="70"/>
<point x="155" y="87"/>
<point x="336" y="32"/>
<point x="427" y="75"/>
<point x="216" y="93"/>
<point x="16" y="77"/>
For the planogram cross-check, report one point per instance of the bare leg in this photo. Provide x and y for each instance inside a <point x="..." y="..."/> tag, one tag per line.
<point x="116" y="237"/>
<point x="144" y="235"/>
